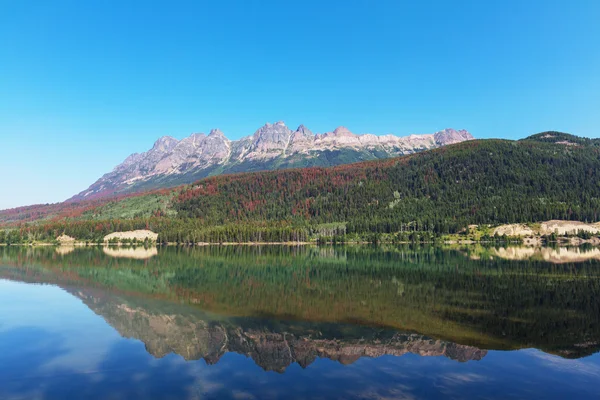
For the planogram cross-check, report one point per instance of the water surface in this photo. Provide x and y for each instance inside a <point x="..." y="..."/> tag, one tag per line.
<point x="243" y="322"/>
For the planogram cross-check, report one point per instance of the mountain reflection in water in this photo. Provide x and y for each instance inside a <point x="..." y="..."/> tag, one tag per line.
<point x="195" y="335"/>
<point x="284" y="305"/>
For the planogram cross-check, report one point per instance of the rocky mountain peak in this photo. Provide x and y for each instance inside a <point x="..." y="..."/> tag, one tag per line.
<point x="186" y="147"/>
<point x="450" y="136"/>
<point x="271" y="136"/>
<point x="190" y="142"/>
<point x="342" y="131"/>
<point x="216" y="147"/>
<point x="301" y="140"/>
<point x="165" y="143"/>
<point x="268" y="127"/>
<point x="129" y="161"/>
<point x="304" y="131"/>
<point x="132" y="158"/>
<point x="195" y="136"/>
<point x="216" y="133"/>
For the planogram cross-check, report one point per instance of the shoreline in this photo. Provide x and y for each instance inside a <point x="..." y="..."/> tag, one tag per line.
<point x="526" y="242"/>
<point x="547" y="233"/>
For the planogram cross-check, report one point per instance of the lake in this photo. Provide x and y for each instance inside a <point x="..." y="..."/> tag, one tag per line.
<point x="271" y="322"/>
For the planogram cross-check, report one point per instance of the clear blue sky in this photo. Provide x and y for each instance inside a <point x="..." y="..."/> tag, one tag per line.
<point x="85" y="83"/>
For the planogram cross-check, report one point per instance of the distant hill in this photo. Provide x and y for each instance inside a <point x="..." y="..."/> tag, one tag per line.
<point x="173" y="162"/>
<point x="437" y="191"/>
<point x="563" y="138"/>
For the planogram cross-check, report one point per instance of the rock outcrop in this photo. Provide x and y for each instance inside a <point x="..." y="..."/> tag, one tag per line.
<point x="557" y="227"/>
<point x="139" y="235"/>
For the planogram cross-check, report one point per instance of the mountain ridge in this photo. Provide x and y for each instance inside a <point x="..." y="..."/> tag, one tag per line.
<point x="171" y="162"/>
<point x="443" y="190"/>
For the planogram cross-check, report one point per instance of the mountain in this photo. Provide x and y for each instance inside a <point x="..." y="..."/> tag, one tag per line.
<point x="171" y="162"/>
<point x="437" y="191"/>
<point x="427" y="194"/>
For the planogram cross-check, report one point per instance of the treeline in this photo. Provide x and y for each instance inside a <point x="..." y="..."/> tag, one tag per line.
<point x="411" y="198"/>
<point x="170" y="230"/>
<point x="192" y="231"/>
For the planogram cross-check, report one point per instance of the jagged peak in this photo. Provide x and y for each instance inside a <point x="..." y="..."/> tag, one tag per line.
<point x="272" y="132"/>
<point x="342" y="131"/>
<point x="166" y="139"/>
<point x="270" y="125"/>
<point x="165" y="142"/>
<point x="216" y="133"/>
<point x="452" y="130"/>
<point x="131" y="157"/>
<point x="304" y="130"/>
<point x="450" y="135"/>
<point x="193" y="137"/>
<point x="193" y="140"/>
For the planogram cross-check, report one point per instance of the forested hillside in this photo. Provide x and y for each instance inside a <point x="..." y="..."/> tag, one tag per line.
<point x="547" y="176"/>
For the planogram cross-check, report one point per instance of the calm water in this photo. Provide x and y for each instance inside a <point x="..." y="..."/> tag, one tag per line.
<point x="298" y="323"/>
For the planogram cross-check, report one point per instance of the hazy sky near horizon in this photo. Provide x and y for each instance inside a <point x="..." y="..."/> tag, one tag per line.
<point x="84" y="84"/>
